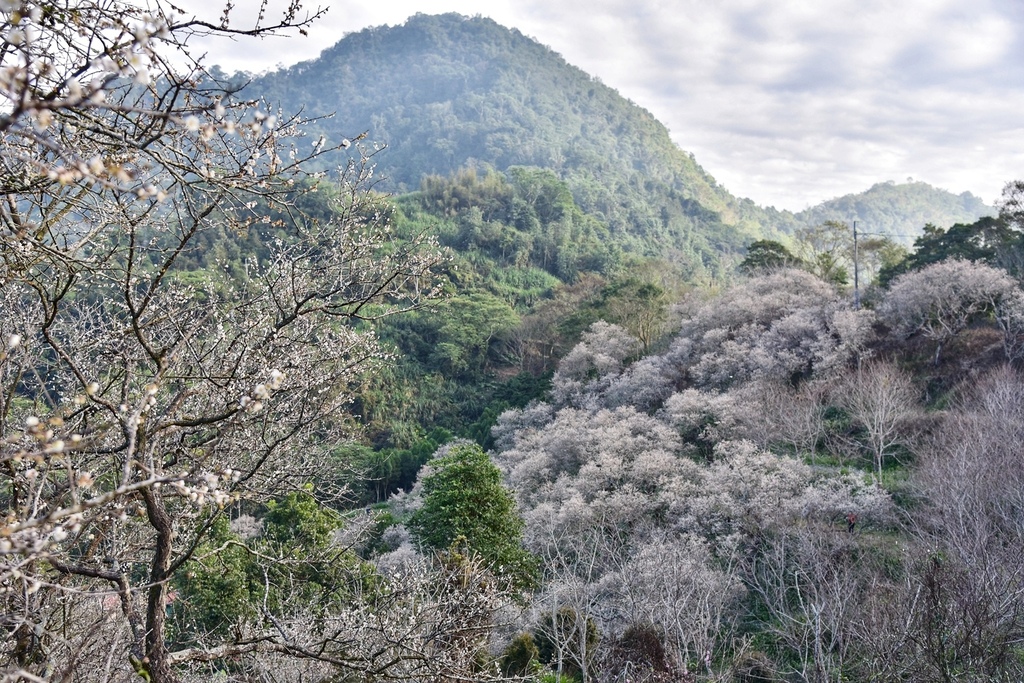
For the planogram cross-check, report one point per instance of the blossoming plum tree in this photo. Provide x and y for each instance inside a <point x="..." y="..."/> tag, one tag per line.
<point x="941" y="300"/>
<point x="139" y="395"/>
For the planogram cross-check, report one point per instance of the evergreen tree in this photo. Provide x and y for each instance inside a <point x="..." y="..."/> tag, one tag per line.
<point x="465" y="503"/>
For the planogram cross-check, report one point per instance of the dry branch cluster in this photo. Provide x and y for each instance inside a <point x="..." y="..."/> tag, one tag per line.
<point x="142" y="397"/>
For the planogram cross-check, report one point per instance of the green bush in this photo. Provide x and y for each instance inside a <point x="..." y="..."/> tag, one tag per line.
<point x="521" y="657"/>
<point x="464" y="501"/>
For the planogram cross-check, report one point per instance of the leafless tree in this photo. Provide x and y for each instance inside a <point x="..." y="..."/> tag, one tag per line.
<point x="970" y="471"/>
<point x="675" y="583"/>
<point x="882" y="400"/>
<point x="807" y="581"/>
<point x="970" y="477"/>
<point x="793" y="416"/>
<point x="574" y="555"/>
<point x="1009" y="315"/>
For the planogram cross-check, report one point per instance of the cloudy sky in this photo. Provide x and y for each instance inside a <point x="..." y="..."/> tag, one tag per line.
<point x="788" y="102"/>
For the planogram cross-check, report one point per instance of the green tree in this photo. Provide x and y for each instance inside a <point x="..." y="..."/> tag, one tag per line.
<point x="876" y="254"/>
<point x="640" y="301"/>
<point x="298" y="520"/>
<point x="288" y="566"/>
<point x="765" y="255"/>
<point x="467" y="327"/>
<point x="464" y="502"/>
<point x="988" y="240"/>
<point x="214" y="595"/>
<point x="520" y="658"/>
<point x="827" y="249"/>
<point x="640" y="306"/>
<point x="1011" y="204"/>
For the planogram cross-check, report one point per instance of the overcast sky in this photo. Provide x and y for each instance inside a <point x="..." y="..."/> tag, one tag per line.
<point x="787" y="102"/>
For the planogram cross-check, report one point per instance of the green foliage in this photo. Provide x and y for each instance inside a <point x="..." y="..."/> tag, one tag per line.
<point x="298" y="520"/>
<point x="877" y="254"/>
<point x="288" y="564"/>
<point x="552" y="677"/>
<point x="988" y="240"/>
<point x="451" y="356"/>
<point x="765" y="255"/>
<point x="370" y="474"/>
<point x="309" y="573"/>
<point x="898" y="210"/>
<point x="513" y="393"/>
<point x="447" y="92"/>
<point x="456" y="336"/>
<point x="522" y="220"/>
<point x="521" y="656"/>
<point x="409" y="461"/>
<point x="444" y="91"/>
<point x="366" y="474"/>
<point x="827" y="250"/>
<point x="215" y="589"/>
<point x="522" y="287"/>
<point x="465" y="328"/>
<point x="464" y="502"/>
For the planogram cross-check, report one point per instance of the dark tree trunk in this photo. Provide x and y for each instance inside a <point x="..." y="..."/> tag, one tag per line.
<point x="155" y="662"/>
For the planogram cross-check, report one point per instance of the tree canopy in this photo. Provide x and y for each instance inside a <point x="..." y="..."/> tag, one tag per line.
<point x="465" y="504"/>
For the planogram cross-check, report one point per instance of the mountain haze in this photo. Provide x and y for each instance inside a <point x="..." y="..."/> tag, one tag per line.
<point x="449" y="92"/>
<point x="899" y="210"/>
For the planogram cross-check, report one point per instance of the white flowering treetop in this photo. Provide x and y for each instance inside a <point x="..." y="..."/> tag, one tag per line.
<point x="939" y="301"/>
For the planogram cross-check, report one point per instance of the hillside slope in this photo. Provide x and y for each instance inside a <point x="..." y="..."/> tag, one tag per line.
<point x="444" y="92"/>
<point x="449" y="92"/>
<point x="899" y="210"/>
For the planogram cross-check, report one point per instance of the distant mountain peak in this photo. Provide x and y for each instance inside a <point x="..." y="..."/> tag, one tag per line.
<point x="900" y="210"/>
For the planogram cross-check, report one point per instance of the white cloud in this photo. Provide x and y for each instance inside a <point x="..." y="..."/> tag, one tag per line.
<point x="785" y="101"/>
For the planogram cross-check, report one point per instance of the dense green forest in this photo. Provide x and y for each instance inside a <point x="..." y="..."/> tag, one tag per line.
<point x="444" y="93"/>
<point x="899" y="210"/>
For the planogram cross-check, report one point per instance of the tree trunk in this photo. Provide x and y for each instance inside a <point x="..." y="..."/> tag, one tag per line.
<point x="155" y="661"/>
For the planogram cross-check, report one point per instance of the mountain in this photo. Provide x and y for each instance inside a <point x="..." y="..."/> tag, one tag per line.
<point x="450" y="92"/>
<point x="447" y="92"/>
<point x="899" y="210"/>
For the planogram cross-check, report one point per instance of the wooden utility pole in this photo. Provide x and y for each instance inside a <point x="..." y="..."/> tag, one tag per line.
<point x="856" y="271"/>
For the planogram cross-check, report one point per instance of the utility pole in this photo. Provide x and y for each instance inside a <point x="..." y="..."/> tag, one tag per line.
<point x="856" y="271"/>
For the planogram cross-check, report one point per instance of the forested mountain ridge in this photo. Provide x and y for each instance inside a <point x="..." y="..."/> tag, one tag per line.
<point x="552" y="190"/>
<point x="449" y="92"/>
<point x="446" y="92"/>
<point x="899" y="210"/>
